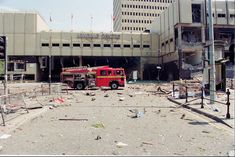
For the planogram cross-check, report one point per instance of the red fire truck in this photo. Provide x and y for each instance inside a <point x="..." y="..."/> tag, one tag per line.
<point x="83" y="77"/>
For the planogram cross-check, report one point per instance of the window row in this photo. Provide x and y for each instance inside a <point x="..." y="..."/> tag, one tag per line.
<point x="136" y="21"/>
<point x="143" y="7"/>
<point x="161" y="1"/>
<point x="222" y="15"/>
<point x="94" y="45"/>
<point x="166" y="42"/>
<point x="140" y="14"/>
<point x="133" y="28"/>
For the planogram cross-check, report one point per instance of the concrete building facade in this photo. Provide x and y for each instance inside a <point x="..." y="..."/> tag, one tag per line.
<point x="177" y="42"/>
<point x="136" y="15"/>
<point x="183" y="32"/>
<point x="31" y="43"/>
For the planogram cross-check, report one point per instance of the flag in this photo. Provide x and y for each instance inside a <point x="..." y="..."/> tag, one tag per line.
<point x="71" y="16"/>
<point x="113" y="18"/>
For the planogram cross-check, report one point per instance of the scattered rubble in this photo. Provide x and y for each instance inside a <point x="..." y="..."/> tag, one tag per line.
<point x="147" y="143"/>
<point x="98" y="125"/>
<point x="183" y="116"/>
<point x="34" y="108"/>
<point x="122" y="99"/>
<point x="137" y="113"/>
<point x="98" y="138"/>
<point x="106" y="95"/>
<point x="90" y="94"/>
<point x="5" y="136"/>
<point x="73" y="119"/>
<point x="206" y="132"/>
<point x="121" y="144"/>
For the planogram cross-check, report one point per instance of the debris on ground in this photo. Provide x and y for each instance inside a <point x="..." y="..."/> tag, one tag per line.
<point x="98" y="125"/>
<point x="5" y="136"/>
<point x="157" y="112"/>
<point x="134" y="111"/>
<point x="121" y="99"/>
<point x="73" y="119"/>
<point x="58" y="100"/>
<point x="137" y="113"/>
<point x="205" y="132"/>
<point x="139" y="93"/>
<point x="90" y="94"/>
<point x="121" y="144"/>
<point x="106" y="95"/>
<point x="147" y="143"/>
<point x="98" y="138"/>
<point x="163" y="115"/>
<point x="34" y="108"/>
<point x="93" y="99"/>
<point x="159" y="89"/>
<point x="183" y="116"/>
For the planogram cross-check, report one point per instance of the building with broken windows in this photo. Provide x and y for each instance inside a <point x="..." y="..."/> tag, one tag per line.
<point x="178" y="42"/>
<point x="183" y="38"/>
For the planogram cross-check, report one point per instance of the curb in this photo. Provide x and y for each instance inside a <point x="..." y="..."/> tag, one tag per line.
<point x="217" y="119"/>
<point x="15" y="123"/>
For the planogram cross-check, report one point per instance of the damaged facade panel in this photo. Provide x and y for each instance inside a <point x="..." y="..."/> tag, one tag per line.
<point x="190" y="35"/>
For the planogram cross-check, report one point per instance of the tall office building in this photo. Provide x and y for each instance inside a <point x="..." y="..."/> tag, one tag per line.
<point x="136" y="15"/>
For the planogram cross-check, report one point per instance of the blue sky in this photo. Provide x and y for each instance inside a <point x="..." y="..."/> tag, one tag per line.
<point x="61" y="10"/>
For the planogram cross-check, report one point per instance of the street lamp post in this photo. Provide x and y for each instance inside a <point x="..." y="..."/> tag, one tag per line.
<point x="211" y="53"/>
<point x="158" y="76"/>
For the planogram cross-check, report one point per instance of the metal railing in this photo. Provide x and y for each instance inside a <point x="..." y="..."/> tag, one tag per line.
<point x="184" y="94"/>
<point x="18" y="103"/>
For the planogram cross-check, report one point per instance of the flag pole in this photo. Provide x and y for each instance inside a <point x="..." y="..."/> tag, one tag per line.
<point x="71" y="22"/>
<point x="91" y="22"/>
<point x="111" y="22"/>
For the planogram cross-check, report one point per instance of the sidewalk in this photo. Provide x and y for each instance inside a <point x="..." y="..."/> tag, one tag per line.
<point x="216" y="112"/>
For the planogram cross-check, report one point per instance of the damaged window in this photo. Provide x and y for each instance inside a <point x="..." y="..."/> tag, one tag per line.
<point x="221" y="15"/>
<point x="196" y="13"/>
<point x="191" y="36"/>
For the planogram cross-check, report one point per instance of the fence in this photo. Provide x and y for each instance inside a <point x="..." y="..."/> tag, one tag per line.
<point x="199" y="93"/>
<point x="17" y="103"/>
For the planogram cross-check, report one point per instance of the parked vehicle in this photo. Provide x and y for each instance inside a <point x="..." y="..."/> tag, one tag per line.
<point x="86" y="77"/>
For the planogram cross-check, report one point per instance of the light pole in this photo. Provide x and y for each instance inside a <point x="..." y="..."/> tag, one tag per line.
<point x="211" y="53"/>
<point x="158" y="69"/>
<point x="49" y="77"/>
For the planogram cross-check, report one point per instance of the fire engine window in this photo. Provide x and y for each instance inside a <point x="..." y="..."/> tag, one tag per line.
<point x="109" y="72"/>
<point x="119" y="72"/>
<point x="103" y="72"/>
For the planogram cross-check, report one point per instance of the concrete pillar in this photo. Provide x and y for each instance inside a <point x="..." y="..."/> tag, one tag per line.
<point x="80" y="60"/>
<point x="11" y="77"/>
<point x="180" y="53"/>
<point x="141" y="69"/>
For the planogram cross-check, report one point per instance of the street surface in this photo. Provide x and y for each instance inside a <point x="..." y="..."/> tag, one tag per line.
<point x="106" y="124"/>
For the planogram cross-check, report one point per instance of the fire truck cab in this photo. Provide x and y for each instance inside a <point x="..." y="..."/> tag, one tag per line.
<point x="81" y="78"/>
